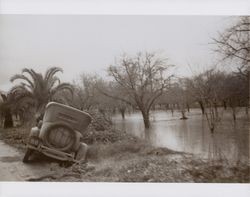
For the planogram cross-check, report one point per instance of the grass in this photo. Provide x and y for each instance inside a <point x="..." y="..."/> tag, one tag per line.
<point x="16" y="137"/>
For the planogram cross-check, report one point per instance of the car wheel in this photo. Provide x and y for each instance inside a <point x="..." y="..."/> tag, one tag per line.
<point x="27" y="155"/>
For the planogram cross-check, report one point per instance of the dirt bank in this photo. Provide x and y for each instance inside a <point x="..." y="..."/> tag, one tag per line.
<point x="156" y="165"/>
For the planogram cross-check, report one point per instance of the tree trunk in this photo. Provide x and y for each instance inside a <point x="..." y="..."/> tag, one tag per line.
<point x="202" y="107"/>
<point x="188" y="107"/>
<point x="216" y="110"/>
<point x="172" y="111"/>
<point x="8" y="121"/>
<point x="122" y="111"/>
<point x="225" y="105"/>
<point x="234" y="113"/>
<point x="146" y="121"/>
<point x="183" y="115"/>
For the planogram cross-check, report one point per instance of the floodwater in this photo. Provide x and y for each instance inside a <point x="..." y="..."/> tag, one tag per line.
<point x="229" y="141"/>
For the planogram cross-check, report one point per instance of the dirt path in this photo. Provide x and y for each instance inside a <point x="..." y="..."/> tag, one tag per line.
<point x="13" y="169"/>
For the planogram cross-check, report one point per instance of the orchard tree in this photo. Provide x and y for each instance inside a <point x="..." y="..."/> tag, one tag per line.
<point x="179" y="94"/>
<point x="234" y="43"/>
<point x="142" y="79"/>
<point x="113" y="91"/>
<point x="121" y="106"/>
<point x="85" y="94"/>
<point x="235" y="93"/>
<point x="208" y="88"/>
<point x="195" y="89"/>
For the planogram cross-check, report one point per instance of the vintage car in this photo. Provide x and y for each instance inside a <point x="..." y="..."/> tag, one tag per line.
<point x="59" y="134"/>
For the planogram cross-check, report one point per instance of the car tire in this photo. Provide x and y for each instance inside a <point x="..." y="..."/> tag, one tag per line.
<point x="27" y="155"/>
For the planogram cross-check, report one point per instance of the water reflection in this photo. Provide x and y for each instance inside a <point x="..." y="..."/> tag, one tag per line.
<point x="230" y="141"/>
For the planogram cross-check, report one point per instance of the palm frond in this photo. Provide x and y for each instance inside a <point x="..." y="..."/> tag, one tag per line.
<point x="31" y="72"/>
<point x="39" y="91"/>
<point x="36" y="89"/>
<point x="18" y="88"/>
<point x="51" y="72"/>
<point x="53" y="81"/>
<point x="23" y="101"/>
<point x="4" y="97"/>
<point x="17" y="95"/>
<point x="61" y="87"/>
<point x="23" y="77"/>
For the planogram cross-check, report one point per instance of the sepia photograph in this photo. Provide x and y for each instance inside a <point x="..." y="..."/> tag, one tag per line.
<point x="124" y="98"/>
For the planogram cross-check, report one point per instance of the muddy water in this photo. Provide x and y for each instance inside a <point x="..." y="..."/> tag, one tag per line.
<point x="230" y="141"/>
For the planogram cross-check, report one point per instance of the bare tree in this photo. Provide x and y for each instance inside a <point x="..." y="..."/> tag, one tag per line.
<point x="179" y="94"/>
<point x="196" y="91"/>
<point x="166" y="102"/>
<point x="122" y="107"/>
<point x="142" y="79"/>
<point x="234" y="43"/>
<point x="208" y="88"/>
<point x="85" y="93"/>
<point x="235" y="92"/>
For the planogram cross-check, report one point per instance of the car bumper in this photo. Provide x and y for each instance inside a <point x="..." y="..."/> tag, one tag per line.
<point x="56" y="154"/>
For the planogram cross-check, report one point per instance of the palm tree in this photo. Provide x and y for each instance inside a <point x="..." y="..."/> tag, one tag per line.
<point x="36" y="90"/>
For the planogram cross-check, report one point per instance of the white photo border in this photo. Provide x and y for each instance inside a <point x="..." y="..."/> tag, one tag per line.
<point x="124" y="7"/>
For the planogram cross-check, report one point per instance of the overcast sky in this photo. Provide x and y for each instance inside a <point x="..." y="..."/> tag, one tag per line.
<point x="89" y="44"/>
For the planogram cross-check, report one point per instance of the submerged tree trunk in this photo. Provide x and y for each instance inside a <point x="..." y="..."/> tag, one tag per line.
<point x="202" y="107"/>
<point x="183" y="115"/>
<point x="216" y="110"/>
<point x="188" y="107"/>
<point x="172" y="111"/>
<point x="234" y="113"/>
<point x="146" y="121"/>
<point x="122" y="111"/>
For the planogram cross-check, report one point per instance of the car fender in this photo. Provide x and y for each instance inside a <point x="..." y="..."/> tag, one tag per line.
<point x="77" y="141"/>
<point x="34" y="132"/>
<point x="82" y="152"/>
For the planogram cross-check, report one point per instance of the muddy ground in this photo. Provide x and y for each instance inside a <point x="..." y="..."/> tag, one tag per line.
<point x="125" y="160"/>
<point x="13" y="169"/>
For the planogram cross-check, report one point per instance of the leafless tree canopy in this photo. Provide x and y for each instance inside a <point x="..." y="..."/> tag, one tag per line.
<point x="142" y="79"/>
<point x="234" y="43"/>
